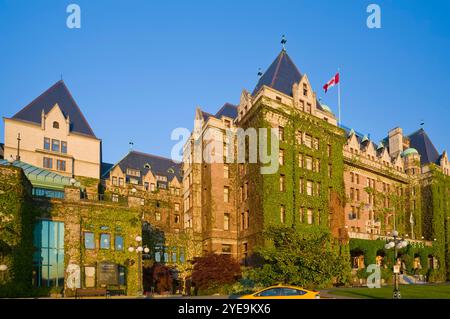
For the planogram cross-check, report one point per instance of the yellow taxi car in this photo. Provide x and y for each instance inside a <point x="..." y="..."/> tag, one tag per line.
<point x="283" y="292"/>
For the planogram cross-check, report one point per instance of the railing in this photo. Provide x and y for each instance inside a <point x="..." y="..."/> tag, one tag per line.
<point x="366" y="236"/>
<point x="94" y="197"/>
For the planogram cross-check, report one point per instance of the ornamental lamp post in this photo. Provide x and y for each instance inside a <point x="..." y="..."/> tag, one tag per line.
<point x="396" y="243"/>
<point x="3" y="269"/>
<point x="139" y="249"/>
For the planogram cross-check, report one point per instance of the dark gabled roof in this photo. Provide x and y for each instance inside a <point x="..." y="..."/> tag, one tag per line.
<point x="158" y="165"/>
<point x="359" y="137"/>
<point x="280" y="75"/>
<point x="206" y="116"/>
<point x="228" y="110"/>
<point x="56" y="94"/>
<point x="422" y="143"/>
<point x="104" y="169"/>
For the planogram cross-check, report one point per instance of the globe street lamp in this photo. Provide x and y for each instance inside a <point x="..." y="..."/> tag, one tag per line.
<point x="139" y="249"/>
<point x="396" y="243"/>
<point x="3" y="269"/>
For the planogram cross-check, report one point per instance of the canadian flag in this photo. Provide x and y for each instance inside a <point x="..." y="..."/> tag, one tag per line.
<point x="334" y="80"/>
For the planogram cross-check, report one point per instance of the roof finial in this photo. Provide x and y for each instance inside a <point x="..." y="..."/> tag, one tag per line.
<point x="61" y="76"/>
<point x="131" y="145"/>
<point x="259" y="72"/>
<point x="283" y="42"/>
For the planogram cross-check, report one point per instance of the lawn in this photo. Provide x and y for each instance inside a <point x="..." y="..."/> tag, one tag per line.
<point x="437" y="291"/>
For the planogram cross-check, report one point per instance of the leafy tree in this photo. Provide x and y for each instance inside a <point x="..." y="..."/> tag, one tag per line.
<point x="215" y="270"/>
<point x="299" y="258"/>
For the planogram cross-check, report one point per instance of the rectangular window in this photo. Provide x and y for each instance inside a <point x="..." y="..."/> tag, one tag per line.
<point x="357" y="195"/>
<point x="300" y="160"/>
<point x="226" y="221"/>
<point x="46" y="143"/>
<point x="48" y="257"/>
<point x="177" y="207"/>
<point x="152" y="187"/>
<point x="114" y="181"/>
<point x="308" y="140"/>
<point x="61" y="165"/>
<point x="246" y="219"/>
<point x="309" y="188"/>
<point x="301" y="213"/>
<point x="357" y="178"/>
<point x="176" y="218"/>
<point x="226" y="194"/>
<point x="242" y="220"/>
<point x="308" y="108"/>
<point x="308" y="162"/>
<point x="317" y="165"/>
<point x="158" y="216"/>
<point x="226" y="171"/>
<point x="105" y="241"/>
<point x="299" y="137"/>
<point x="146" y="186"/>
<point x="281" y="133"/>
<point x="329" y="150"/>
<point x="301" y="185"/>
<point x="310" y="216"/>
<point x="282" y="183"/>
<point x="63" y="147"/>
<point x="133" y="172"/>
<point x="55" y="145"/>
<point x="120" y="181"/>
<point x="318" y="185"/>
<point x="282" y="214"/>
<point x="89" y="240"/>
<point x="246" y="190"/>
<point x="226" y="249"/>
<point x="118" y="242"/>
<point x="115" y="198"/>
<point x="281" y="157"/>
<point x="48" y="163"/>
<point x="316" y="143"/>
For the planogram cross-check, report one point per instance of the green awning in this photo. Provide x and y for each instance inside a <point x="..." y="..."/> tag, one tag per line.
<point x="40" y="177"/>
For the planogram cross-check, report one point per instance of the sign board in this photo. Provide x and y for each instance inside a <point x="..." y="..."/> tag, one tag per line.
<point x="396" y="269"/>
<point x="107" y="274"/>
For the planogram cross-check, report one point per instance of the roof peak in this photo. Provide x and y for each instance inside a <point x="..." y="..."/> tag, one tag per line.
<point x="59" y="94"/>
<point x="422" y="142"/>
<point x="281" y="75"/>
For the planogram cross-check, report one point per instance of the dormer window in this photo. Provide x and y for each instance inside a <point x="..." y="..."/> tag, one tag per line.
<point x="133" y="172"/>
<point x="171" y="171"/>
<point x="55" y="124"/>
<point x="147" y="166"/>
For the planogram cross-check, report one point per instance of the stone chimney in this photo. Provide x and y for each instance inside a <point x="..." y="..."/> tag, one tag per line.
<point x="395" y="141"/>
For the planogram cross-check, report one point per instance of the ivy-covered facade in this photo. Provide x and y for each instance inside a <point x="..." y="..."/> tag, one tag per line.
<point x="60" y="233"/>
<point x="54" y="246"/>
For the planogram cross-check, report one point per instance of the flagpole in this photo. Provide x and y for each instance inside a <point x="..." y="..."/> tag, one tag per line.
<point x="339" y="98"/>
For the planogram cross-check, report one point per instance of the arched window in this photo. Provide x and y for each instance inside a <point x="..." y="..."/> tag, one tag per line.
<point x="55" y="124"/>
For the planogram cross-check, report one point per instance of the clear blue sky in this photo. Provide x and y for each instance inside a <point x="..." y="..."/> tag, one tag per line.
<point x="138" y="69"/>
